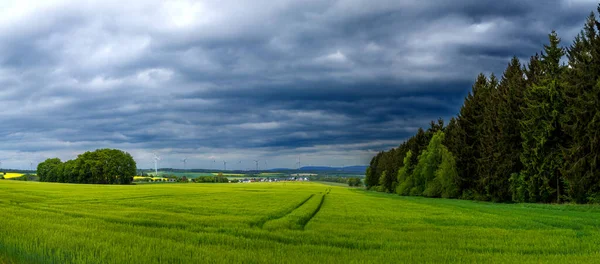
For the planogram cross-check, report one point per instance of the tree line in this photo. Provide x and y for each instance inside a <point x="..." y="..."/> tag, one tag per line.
<point x="351" y="181"/>
<point x="532" y="135"/>
<point x="103" y="166"/>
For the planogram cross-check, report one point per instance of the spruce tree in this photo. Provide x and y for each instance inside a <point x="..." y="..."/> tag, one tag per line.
<point x="541" y="132"/>
<point x="467" y="145"/>
<point x="506" y="137"/>
<point x="372" y="176"/>
<point x="581" y="118"/>
<point x="487" y="133"/>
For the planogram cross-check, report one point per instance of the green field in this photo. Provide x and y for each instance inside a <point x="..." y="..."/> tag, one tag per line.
<point x="280" y="223"/>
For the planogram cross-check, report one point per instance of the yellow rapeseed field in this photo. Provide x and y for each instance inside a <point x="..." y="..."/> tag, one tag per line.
<point x="10" y="175"/>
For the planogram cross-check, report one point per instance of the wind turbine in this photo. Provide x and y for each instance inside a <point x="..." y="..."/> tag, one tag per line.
<point x="256" y="161"/>
<point x="184" y="162"/>
<point x="213" y="165"/>
<point x="298" y="163"/>
<point x="224" y="165"/>
<point x="156" y="160"/>
<point x="266" y="167"/>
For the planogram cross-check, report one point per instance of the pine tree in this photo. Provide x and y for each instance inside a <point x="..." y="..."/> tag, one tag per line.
<point x="541" y="132"/>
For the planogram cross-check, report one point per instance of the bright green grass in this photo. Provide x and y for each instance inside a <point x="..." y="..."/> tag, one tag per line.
<point x="280" y="223"/>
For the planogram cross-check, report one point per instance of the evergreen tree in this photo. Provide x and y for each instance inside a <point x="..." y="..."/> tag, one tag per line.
<point x="541" y="132"/>
<point x="505" y="139"/>
<point x="581" y="117"/>
<point x="487" y="135"/>
<point x="467" y="144"/>
<point x="372" y="176"/>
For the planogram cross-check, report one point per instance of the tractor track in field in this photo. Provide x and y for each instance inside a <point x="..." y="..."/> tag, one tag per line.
<point x="301" y="224"/>
<point x="304" y="223"/>
<point x="262" y="222"/>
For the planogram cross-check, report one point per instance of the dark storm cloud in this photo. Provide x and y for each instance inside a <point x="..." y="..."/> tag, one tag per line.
<point x="332" y="81"/>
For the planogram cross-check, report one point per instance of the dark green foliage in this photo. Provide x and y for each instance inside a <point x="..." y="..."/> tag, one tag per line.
<point x="532" y="136"/>
<point x="467" y="148"/>
<point x="211" y="179"/>
<point x="499" y="134"/>
<point x="103" y="166"/>
<point x="582" y="116"/>
<point x="372" y="175"/>
<point x="541" y="130"/>
<point x="354" y="182"/>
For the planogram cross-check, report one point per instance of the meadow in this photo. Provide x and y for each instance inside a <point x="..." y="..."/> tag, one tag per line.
<point x="285" y="222"/>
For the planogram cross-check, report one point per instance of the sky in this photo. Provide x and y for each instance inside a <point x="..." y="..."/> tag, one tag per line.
<point x="329" y="82"/>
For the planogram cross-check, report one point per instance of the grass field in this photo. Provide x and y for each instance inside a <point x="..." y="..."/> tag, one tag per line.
<point x="280" y="223"/>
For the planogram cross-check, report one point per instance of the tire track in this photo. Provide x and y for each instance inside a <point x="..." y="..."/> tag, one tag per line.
<point x="260" y="223"/>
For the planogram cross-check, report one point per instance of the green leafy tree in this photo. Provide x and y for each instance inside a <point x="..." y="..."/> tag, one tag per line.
<point x="382" y="179"/>
<point x="103" y="166"/>
<point x="405" y="181"/>
<point x="436" y="173"/>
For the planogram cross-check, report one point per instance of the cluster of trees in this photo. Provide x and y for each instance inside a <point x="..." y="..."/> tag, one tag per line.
<point x="211" y="179"/>
<point x="354" y="181"/>
<point x="351" y="181"/>
<point x="532" y="135"/>
<point x="103" y="166"/>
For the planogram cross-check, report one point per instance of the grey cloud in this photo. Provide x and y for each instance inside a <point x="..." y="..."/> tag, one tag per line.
<point x="333" y="81"/>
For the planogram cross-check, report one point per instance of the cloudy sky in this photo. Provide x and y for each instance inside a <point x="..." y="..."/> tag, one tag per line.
<point x="333" y="82"/>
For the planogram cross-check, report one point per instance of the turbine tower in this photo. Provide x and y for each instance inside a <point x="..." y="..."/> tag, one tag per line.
<point x="156" y="160"/>
<point x="184" y="162"/>
<point x="224" y="165"/>
<point x="256" y="161"/>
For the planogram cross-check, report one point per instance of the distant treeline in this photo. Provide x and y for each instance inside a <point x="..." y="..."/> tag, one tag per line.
<point x="103" y="166"/>
<point x="351" y="181"/>
<point x="531" y="136"/>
